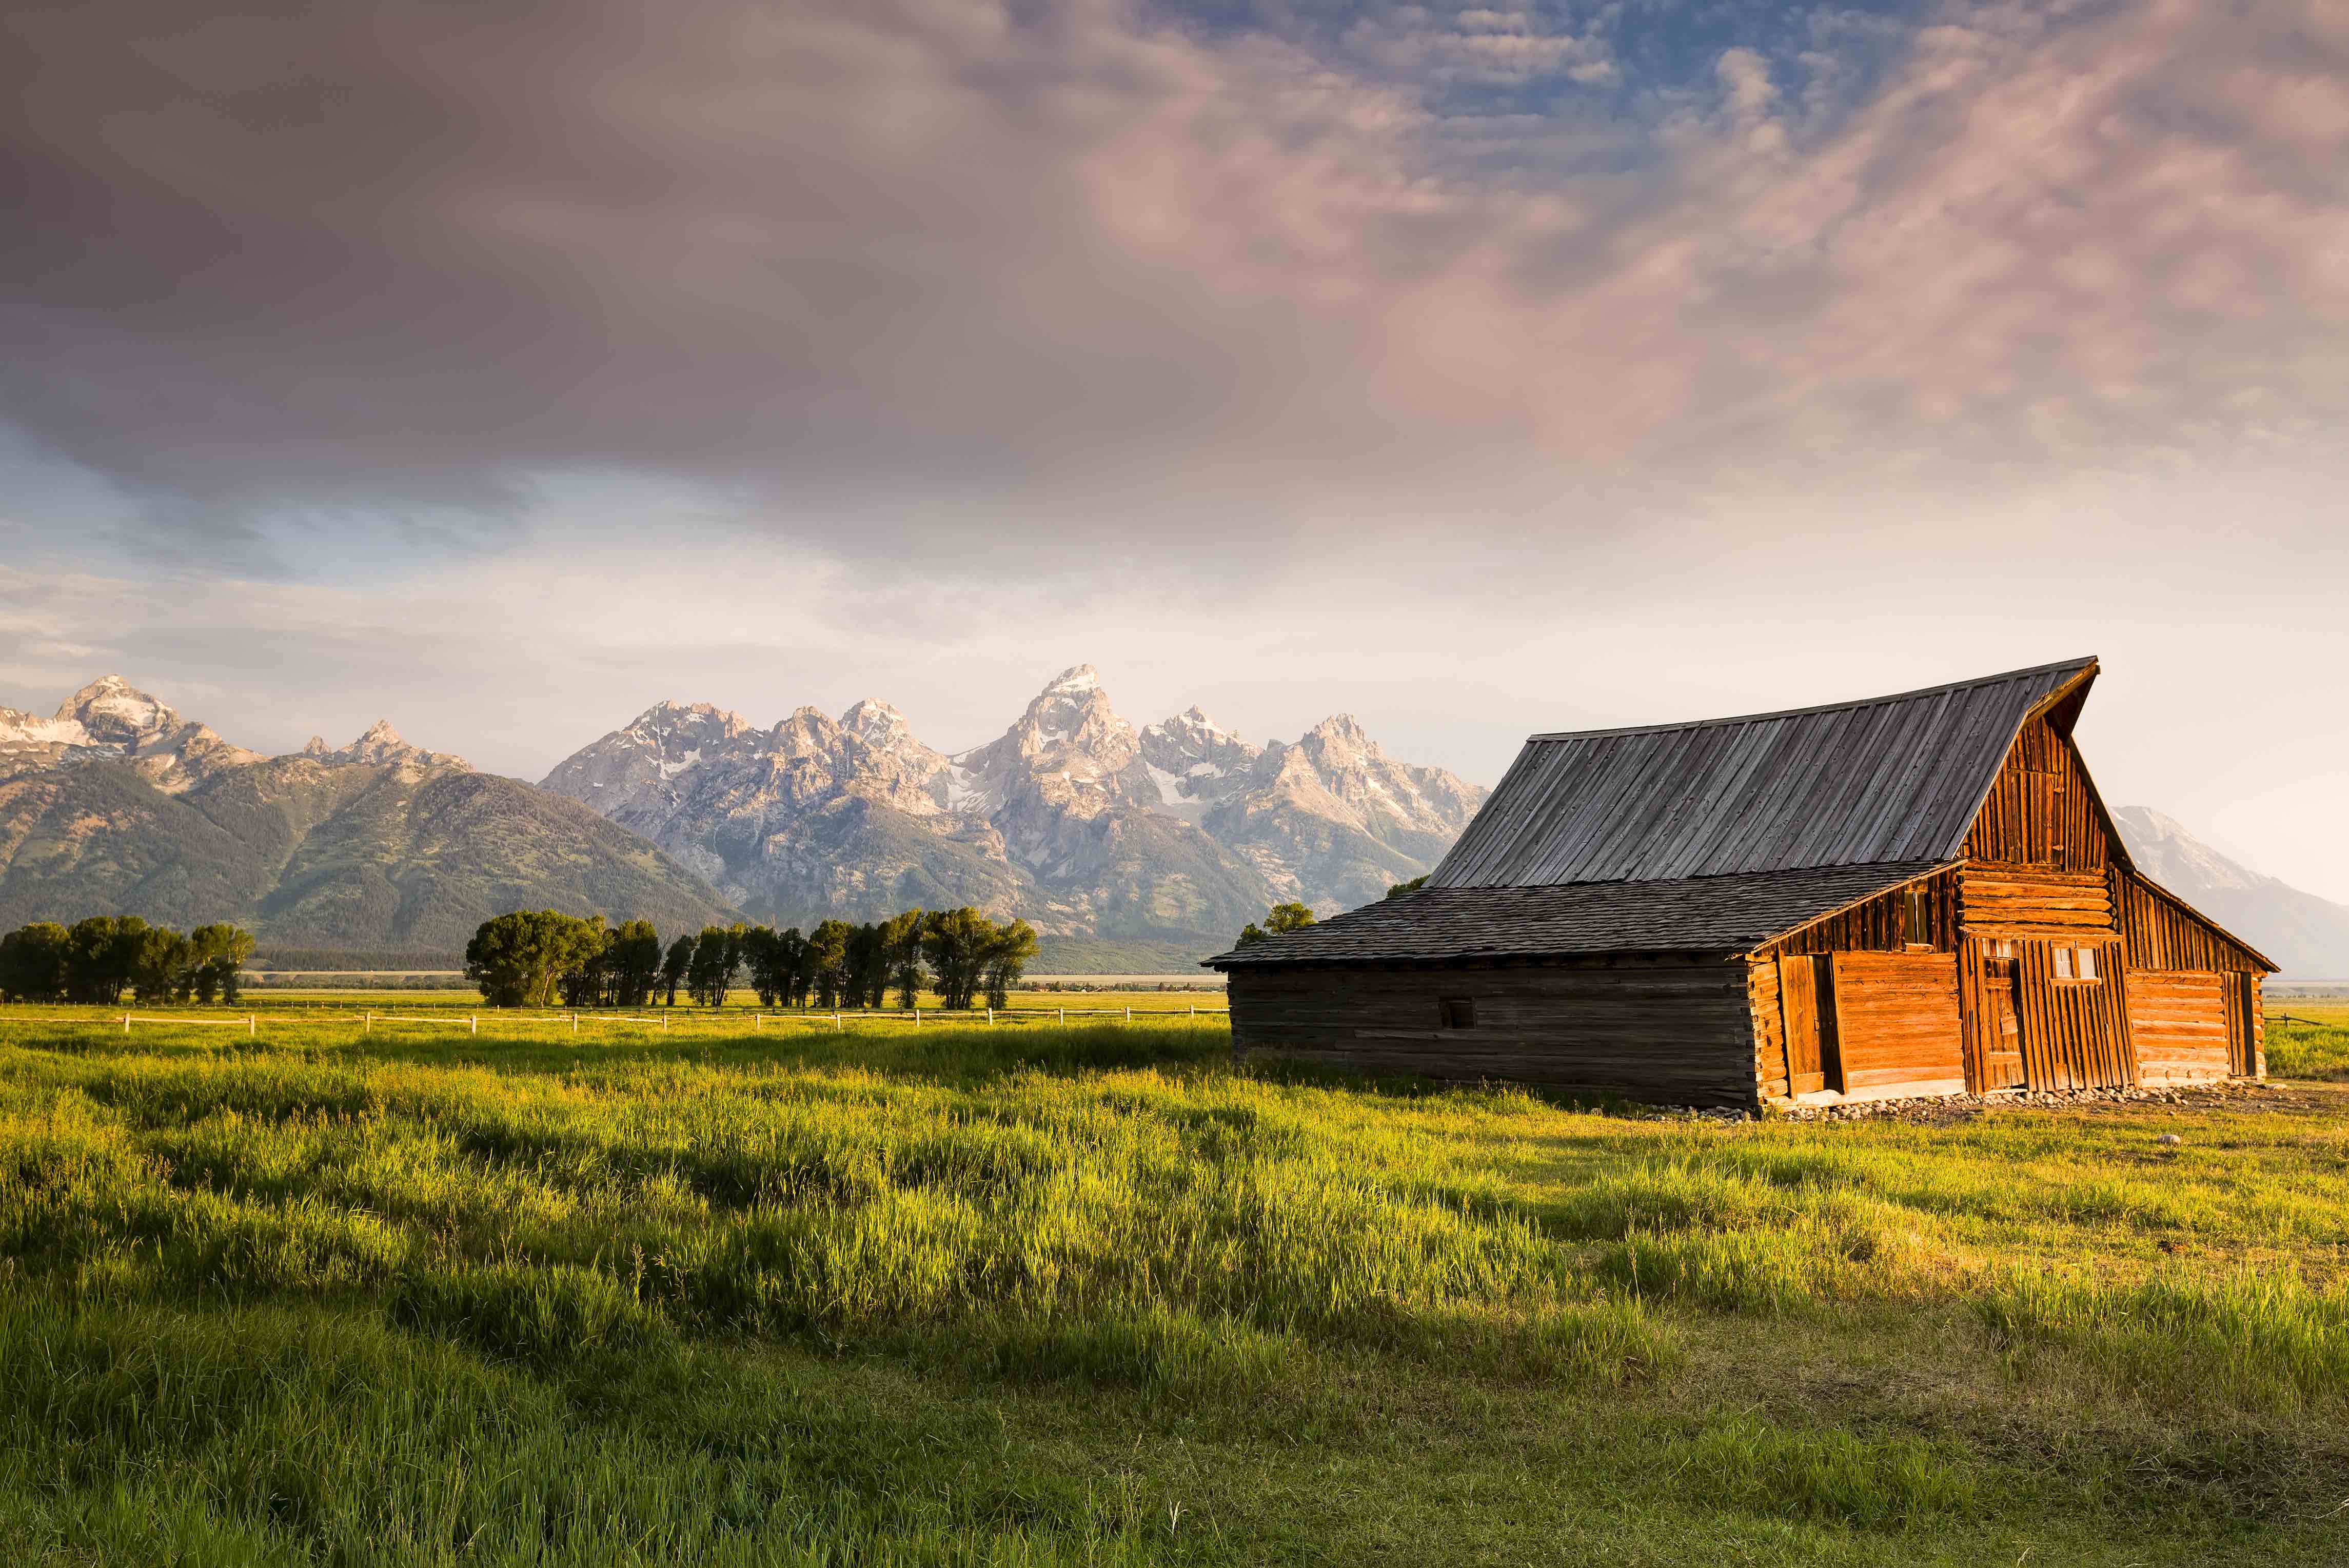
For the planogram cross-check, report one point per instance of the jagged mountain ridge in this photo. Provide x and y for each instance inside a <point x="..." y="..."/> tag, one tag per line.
<point x="119" y="806"/>
<point x="1072" y="817"/>
<point x="2308" y="936"/>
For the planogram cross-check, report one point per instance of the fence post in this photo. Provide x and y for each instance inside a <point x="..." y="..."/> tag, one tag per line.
<point x="574" y="1023"/>
<point x="664" y="1022"/>
<point x="990" y="1017"/>
<point x="475" y="1020"/>
<point x="248" y="1026"/>
<point x="1128" y="1015"/>
<point x="835" y="1025"/>
<point x="1060" y="1015"/>
<point x="367" y="1022"/>
<point x="126" y="1023"/>
<point x="917" y="1017"/>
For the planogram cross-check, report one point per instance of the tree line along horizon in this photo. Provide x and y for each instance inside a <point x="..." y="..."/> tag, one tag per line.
<point x="537" y="958"/>
<point x="98" y="959"/>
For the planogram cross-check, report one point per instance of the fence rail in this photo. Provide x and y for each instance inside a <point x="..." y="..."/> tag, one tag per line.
<point x="368" y="1021"/>
<point x="130" y="1018"/>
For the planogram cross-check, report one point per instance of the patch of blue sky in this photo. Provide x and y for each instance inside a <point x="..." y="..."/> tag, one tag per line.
<point x="1631" y="63"/>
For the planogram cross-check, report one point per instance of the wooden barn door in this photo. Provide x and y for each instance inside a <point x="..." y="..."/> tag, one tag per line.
<point x="2002" y="1026"/>
<point x="1807" y="995"/>
<point x="2242" y="1003"/>
<point x="2075" y="1028"/>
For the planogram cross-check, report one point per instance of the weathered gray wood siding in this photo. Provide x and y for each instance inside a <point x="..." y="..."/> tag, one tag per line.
<point x="1677" y="1031"/>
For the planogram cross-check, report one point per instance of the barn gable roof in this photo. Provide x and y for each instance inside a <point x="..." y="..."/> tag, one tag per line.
<point x="1693" y="914"/>
<point x="1888" y="781"/>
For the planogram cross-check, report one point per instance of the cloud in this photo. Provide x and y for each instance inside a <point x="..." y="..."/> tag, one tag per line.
<point x="906" y="267"/>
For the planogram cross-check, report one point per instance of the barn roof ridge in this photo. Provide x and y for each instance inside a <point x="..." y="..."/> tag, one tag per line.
<point x="2076" y="666"/>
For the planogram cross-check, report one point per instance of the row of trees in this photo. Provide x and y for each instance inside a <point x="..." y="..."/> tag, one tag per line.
<point x="532" y="958"/>
<point x="98" y="959"/>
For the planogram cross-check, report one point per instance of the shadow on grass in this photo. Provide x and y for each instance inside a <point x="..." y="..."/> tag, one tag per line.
<point x="954" y="1054"/>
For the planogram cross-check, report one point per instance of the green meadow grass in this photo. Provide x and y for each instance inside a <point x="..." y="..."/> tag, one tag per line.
<point x="1089" y="1296"/>
<point x="2313" y="1043"/>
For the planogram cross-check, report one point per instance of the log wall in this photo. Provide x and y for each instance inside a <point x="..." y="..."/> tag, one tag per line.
<point x="1766" y="1009"/>
<point x="1897" y="1024"/>
<point x="2179" y="1023"/>
<point x="2006" y="898"/>
<point x="1677" y="1031"/>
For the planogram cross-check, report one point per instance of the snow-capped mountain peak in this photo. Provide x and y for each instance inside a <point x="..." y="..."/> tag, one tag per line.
<point x="1100" y="828"/>
<point x="111" y="720"/>
<point x="111" y="711"/>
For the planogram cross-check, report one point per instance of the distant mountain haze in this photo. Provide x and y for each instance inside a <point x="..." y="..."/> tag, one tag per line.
<point x="1165" y="839"/>
<point x="2308" y="936"/>
<point x="1177" y="833"/>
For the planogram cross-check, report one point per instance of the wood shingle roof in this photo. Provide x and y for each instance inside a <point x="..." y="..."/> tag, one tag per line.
<point x="1692" y="915"/>
<point x="1888" y="780"/>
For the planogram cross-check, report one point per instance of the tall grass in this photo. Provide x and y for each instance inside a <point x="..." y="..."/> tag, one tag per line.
<point x="375" y="1300"/>
<point x="2318" y="1048"/>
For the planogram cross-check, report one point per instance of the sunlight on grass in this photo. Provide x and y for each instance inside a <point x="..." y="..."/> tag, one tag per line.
<point x="872" y="1297"/>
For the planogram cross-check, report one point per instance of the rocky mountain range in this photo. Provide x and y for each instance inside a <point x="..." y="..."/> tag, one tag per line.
<point x="116" y="805"/>
<point x="1177" y="834"/>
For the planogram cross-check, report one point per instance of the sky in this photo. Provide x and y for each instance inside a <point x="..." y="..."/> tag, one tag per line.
<point x="504" y="368"/>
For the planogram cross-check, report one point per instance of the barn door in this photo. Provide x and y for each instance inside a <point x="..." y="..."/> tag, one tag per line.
<point x="2241" y="1060"/>
<point x="2002" y="1065"/>
<point x="1807" y="994"/>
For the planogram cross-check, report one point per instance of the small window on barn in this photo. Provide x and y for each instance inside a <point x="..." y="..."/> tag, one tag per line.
<point x="2063" y="963"/>
<point x="1919" y="924"/>
<point x="2084" y="964"/>
<point x="1456" y="1012"/>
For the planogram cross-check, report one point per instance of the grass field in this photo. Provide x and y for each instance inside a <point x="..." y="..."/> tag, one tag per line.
<point x="1041" y="1295"/>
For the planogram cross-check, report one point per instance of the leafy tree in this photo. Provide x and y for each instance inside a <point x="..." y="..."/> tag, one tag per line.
<point x="217" y="954"/>
<point x="1009" y="949"/>
<point x="1401" y="888"/>
<point x="674" y="965"/>
<point x="33" y="962"/>
<point x="632" y="965"/>
<point x="827" y="961"/>
<point x="519" y="959"/>
<point x="582" y="986"/>
<point x="1283" y="919"/>
<point x="165" y="966"/>
<point x="957" y="943"/>
<point x="709" y="973"/>
<point x="868" y="967"/>
<point x="795" y="965"/>
<point x="101" y="955"/>
<point x="901" y="944"/>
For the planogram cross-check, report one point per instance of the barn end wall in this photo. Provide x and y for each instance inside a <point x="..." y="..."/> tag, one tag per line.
<point x="1675" y="1031"/>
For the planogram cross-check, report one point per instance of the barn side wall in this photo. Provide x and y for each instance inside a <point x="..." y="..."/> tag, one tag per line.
<point x="1676" y="1031"/>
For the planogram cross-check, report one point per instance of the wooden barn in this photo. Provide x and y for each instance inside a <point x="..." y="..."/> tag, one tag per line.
<point x="1920" y="894"/>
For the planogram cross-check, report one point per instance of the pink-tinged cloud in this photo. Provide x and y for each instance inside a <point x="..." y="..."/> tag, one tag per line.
<point x="1070" y="261"/>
